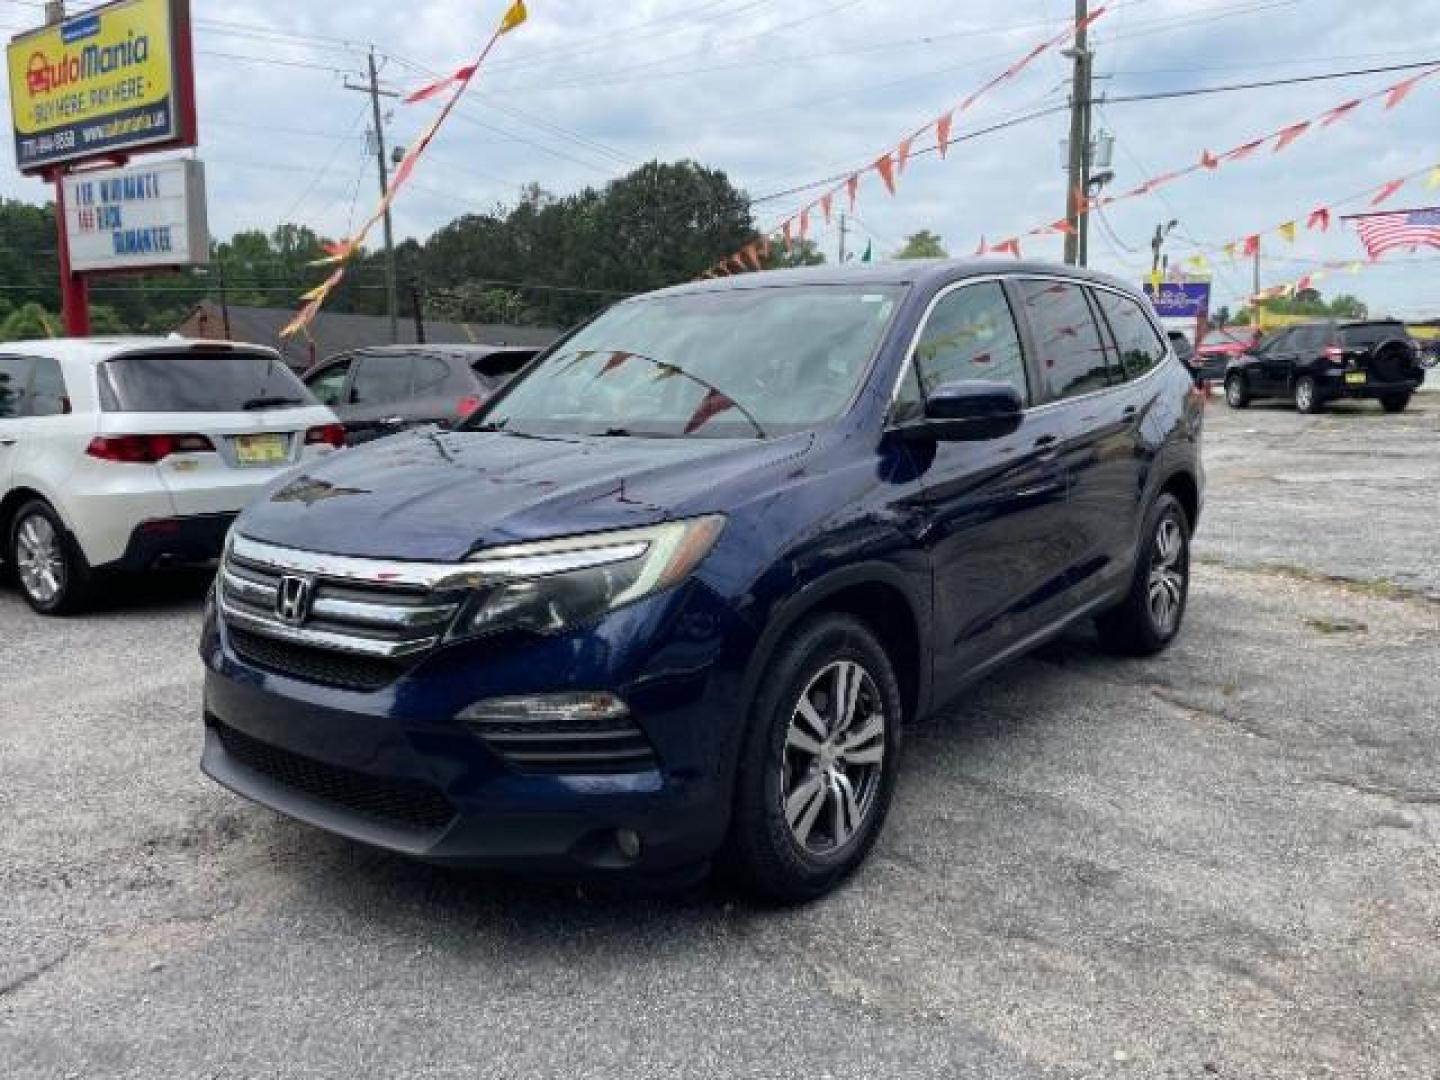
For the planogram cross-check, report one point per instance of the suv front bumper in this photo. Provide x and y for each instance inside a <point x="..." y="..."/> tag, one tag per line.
<point x="394" y="768"/>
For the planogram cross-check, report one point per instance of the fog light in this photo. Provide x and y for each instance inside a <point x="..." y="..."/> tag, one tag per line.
<point x="627" y="841"/>
<point x="575" y="707"/>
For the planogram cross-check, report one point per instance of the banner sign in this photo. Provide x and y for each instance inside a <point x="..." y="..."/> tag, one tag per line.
<point x="112" y="80"/>
<point x="138" y="218"/>
<point x="1189" y="300"/>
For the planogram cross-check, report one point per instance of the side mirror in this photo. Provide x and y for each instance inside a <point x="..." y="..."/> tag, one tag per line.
<point x="969" y="411"/>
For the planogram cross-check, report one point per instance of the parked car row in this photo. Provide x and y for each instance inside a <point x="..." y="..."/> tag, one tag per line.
<point x="667" y="597"/>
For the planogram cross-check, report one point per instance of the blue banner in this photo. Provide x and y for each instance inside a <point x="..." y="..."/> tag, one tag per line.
<point x="1180" y="301"/>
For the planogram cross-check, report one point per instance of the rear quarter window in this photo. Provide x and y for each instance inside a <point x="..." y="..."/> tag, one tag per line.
<point x="1371" y="334"/>
<point x="199" y="382"/>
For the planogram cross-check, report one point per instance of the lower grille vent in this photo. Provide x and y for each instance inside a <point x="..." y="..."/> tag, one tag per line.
<point x="414" y="806"/>
<point x="568" y="746"/>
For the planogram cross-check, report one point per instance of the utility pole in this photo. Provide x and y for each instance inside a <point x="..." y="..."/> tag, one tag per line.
<point x="1078" y="166"/>
<point x="417" y="300"/>
<point x="843" y="228"/>
<point x="1255" y="285"/>
<point x="392" y="295"/>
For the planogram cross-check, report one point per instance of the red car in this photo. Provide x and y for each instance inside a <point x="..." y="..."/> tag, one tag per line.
<point x="1222" y="346"/>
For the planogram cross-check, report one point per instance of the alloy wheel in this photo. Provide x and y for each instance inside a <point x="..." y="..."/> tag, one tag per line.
<point x="1304" y="395"/>
<point x="833" y="758"/>
<point x="1167" y="576"/>
<point x="39" y="559"/>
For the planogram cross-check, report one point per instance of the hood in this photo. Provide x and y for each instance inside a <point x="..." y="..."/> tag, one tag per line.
<point x="439" y="496"/>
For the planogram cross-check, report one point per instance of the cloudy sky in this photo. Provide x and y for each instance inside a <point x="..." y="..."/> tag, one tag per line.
<point x="783" y="92"/>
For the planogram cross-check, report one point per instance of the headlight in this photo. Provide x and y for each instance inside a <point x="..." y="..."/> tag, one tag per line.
<point x="552" y="585"/>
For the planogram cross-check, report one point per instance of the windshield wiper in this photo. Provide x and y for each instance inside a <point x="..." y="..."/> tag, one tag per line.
<point x="257" y="403"/>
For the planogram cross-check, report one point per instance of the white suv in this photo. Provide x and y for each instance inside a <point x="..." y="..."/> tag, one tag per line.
<point x="121" y="454"/>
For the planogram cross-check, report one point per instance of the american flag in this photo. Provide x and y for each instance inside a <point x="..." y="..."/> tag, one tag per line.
<point x="1401" y="229"/>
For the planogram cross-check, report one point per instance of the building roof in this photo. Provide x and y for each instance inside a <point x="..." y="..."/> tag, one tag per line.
<point x="336" y="332"/>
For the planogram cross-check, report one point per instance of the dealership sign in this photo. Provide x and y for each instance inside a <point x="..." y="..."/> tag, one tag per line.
<point x="138" y="218"/>
<point x="1180" y="300"/>
<point x="115" y="79"/>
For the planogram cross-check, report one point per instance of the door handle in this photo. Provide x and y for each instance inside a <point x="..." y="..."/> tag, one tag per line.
<point x="7" y="442"/>
<point x="1046" y="446"/>
<point x="1129" y="413"/>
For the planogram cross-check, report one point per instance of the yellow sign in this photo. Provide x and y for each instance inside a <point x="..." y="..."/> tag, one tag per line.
<point x="102" y="83"/>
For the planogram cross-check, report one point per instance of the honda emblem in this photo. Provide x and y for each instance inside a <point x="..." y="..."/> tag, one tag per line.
<point x="292" y="599"/>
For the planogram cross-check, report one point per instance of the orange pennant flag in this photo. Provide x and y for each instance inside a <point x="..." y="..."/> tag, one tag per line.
<point x="942" y="132"/>
<point x="1242" y="152"/>
<point x="885" y="166"/>
<point x="1319" y="218"/>
<point x="1287" y="231"/>
<point x="852" y="188"/>
<point x="1252" y="243"/>
<point x="1386" y="191"/>
<point x="1290" y="134"/>
<point x="903" y="154"/>
<point x="1009" y="247"/>
<point x="785" y="231"/>
<point x="1209" y="160"/>
<point x="426" y="92"/>
<point x="1230" y="249"/>
<point x="827" y="205"/>
<point x="1398" y="92"/>
<point x="1061" y="226"/>
<point x="981" y="248"/>
<point x="1339" y="112"/>
<point x="804" y="224"/>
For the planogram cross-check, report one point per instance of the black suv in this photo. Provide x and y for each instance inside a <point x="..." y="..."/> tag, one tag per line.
<point x="382" y="390"/>
<point x="1316" y="362"/>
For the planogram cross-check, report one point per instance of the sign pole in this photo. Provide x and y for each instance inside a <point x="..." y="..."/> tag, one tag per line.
<point x="74" y="289"/>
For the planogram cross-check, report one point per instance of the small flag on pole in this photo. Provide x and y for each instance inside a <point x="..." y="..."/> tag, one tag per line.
<point x="514" y="17"/>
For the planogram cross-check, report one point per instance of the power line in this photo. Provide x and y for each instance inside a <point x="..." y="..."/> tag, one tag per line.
<point x="1126" y="99"/>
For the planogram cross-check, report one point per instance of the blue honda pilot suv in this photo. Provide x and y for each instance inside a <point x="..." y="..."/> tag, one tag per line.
<point x="670" y="598"/>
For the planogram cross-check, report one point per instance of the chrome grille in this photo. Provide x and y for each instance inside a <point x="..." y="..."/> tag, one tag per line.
<point x="354" y="607"/>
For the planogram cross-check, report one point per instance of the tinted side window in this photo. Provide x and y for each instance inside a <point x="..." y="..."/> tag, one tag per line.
<point x="14" y="386"/>
<point x="381" y="379"/>
<point x="48" y="396"/>
<point x="329" y="385"/>
<point x="1072" y="355"/>
<point x="1141" y="349"/>
<point x="433" y="377"/>
<point x="1367" y="335"/>
<point x="1310" y="338"/>
<point x="909" y="398"/>
<point x="1281" y="342"/>
<point x="971" y="335"/>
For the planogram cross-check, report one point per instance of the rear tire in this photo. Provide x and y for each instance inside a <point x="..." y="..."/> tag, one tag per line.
<point x="1394" y="403"/>
<point x="1150" y="616"/>
<point x="1236" y="394"/>
<point x="818" y="767"/>
<point x="1307" y="395"/>
<point x="52" y="574"/>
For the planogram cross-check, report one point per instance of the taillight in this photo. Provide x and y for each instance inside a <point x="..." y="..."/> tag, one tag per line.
<point x="146" y="449"/>
<point x="468" y="404"/>
<point x="326" y="435"/>
<point x="1334" y="352"/>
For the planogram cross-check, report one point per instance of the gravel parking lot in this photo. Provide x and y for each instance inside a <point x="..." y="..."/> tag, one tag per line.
<point x="1222" y="862"/>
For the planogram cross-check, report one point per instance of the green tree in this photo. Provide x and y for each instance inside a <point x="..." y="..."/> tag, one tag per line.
<point x="29" y="322"/>
<point x="922" y="245"/>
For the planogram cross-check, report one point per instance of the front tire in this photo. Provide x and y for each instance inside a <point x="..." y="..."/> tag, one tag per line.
<point x="50" y="570"/>
<point x="1236" y="395"/>
<point x="1307" y="395"/>
<point x="1150" y="616"/>
<point x="1395" y="403"/>
<point x="817" y="771"/>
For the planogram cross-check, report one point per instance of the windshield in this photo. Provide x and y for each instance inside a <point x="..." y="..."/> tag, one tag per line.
<point x="199" y="382"/>
<point x="743" y="363"/>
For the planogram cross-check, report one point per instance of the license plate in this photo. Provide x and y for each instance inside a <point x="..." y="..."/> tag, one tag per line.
<point x="1354" y="377"/>
<point x="261" y="449"/>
